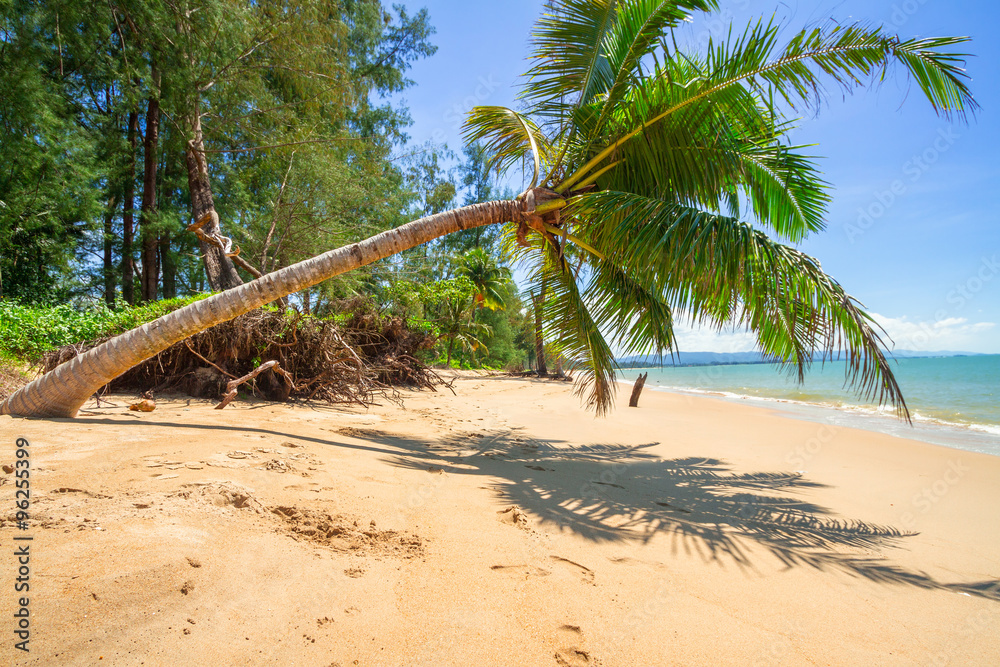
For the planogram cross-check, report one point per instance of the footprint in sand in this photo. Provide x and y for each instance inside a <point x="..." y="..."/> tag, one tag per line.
<point x="585" y="573"/>
<point x="514" y="516"/>
<point x="521" y="571"/>
<point x="571" y="648"/>
<point x="672" y="507"/>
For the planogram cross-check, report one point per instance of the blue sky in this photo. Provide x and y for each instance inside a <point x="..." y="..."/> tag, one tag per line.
<point x="913" y="229"/>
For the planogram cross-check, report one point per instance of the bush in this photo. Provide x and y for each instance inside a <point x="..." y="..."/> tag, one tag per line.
<point x="28" y="332"/>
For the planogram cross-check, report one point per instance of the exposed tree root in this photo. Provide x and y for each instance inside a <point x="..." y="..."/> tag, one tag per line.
<point x="364" y="357"/>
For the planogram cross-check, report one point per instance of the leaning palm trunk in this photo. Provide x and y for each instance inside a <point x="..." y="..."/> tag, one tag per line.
<point x="62" y="391"/>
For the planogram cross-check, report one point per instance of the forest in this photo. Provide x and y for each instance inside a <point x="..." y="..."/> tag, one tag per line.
<point x="153" y="152"/>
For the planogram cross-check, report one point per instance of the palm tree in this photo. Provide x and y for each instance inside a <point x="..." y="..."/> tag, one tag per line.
<point x="643" y="161"/>
<point x="458" y="326"/>
<point x="488" y="277"/>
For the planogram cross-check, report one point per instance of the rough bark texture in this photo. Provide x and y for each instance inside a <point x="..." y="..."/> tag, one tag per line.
<point x="128" y="273"/>
<point x="640" y="382"/>
<point x="109" y="257"/>
<point x="61" y="392"/>
<point x="150" y="146"/>
<point x="220" y="269"/>
<point x="168" y="267"/>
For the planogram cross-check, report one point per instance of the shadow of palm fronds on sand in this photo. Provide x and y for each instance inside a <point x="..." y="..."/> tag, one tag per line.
<point x="608" y="492"/>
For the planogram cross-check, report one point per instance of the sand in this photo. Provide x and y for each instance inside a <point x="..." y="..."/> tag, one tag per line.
<point x="502" y="525"/>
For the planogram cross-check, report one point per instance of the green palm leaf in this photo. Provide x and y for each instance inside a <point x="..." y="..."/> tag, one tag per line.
<point x="846" y="55"/>
<point x="657" y="154"/>
<point x="723" y="271"/>
<point x="508" y="137"/>
<point x="573" y="331"/>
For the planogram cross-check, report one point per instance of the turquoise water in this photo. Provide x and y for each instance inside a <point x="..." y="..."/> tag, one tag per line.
<point x="953" y="400"/>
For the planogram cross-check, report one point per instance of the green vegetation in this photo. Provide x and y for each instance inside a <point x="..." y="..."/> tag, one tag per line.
<point x="108" y="108"/>
<point x="670" y="184"/>
<point x="453" y="311"/>
<point x="27" y="332"/>
<point x="284" y="104"/>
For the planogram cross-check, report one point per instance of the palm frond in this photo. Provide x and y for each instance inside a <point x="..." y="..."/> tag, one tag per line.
<point x="585" y="49"/>
<point x="638" y="29"/>
<point x="572" y="330"/>
<point x="711" y="154"/>
<point x="630" y="311"/>
<point x="724" y="271"/>
<point x="507" y="137"/>
<point x="568" y="52"/>
<point x="847" y="55"/>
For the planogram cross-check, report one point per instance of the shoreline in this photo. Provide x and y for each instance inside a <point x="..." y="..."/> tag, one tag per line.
<point x="978" y="438"/>
<point x="504" y="525"/>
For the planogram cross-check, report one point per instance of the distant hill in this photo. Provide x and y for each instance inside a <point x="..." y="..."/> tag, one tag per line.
<point x="903" y="354"/>
<point x="728" y="358"/>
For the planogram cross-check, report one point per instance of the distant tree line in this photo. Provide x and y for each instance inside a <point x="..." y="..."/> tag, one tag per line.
<point x="125" y="121"/>
<point x="151" y="149"/>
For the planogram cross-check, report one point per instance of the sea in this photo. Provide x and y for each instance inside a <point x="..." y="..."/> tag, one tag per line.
<point x="953" y="401"/>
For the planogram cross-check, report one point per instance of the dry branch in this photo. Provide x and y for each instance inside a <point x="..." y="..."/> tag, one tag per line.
<point x="231" y="388"/>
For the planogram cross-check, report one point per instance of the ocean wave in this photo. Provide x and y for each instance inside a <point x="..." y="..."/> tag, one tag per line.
<point x="881" y="411"/>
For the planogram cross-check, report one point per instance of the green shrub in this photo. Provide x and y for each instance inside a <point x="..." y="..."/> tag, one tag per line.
<point x="28" y="332"/>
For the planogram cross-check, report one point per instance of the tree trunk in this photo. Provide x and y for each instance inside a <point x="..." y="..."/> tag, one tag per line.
<point x="640" y="381"/>
<point x="109" y="256"/>
<point x="451" y="344"/>
<point x="61" y="392"/>
<point x="540" y="366"/>
<point x="128" y="268"/>
<point x="168" y="266"/>
<point x="167" y="259"/>
<point x="150" y="259"/>
<point x="220" y="269"/>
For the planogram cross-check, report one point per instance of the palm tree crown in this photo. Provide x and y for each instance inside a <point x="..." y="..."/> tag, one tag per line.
<point x="669" y="185"/>
<point x="489" y="277"/>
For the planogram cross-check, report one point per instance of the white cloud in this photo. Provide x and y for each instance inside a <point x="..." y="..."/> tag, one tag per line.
<point x="691" y="338"/>
<point x="952" y="333"/>
<point x="694" y="339"/>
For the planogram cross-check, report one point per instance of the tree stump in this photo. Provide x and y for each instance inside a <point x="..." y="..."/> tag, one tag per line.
<point x="637" y="389"/>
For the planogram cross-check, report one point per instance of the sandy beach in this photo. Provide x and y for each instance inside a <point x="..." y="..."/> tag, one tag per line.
<point x="499" y="525"/>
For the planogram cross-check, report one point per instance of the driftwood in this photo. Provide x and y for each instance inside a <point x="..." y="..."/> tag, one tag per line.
<point x="640" y="382"/>
<point x="231" y="388"/>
